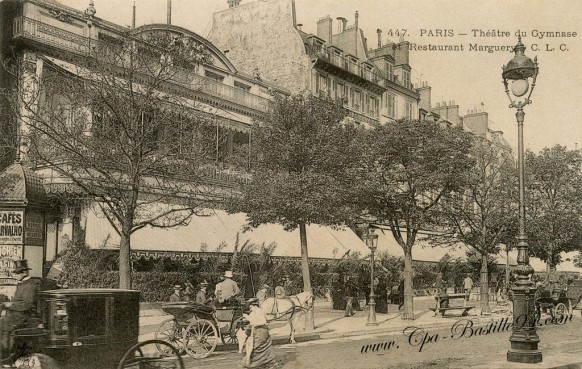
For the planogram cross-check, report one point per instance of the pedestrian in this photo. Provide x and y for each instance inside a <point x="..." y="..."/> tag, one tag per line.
<point x="467" y="285"/>
<point x="349" y="291"/>
<point x="262" y="294"/>
<point x="218" y="290"/>
<point x="228" y="287"/>
<point x="288" y="285"/>
<point x="177" y="295"/>
<point x="201" y="297"/>
<point x="189" y="292"/>
<point x="259" y="347"/>
<point x="21" y="307"/>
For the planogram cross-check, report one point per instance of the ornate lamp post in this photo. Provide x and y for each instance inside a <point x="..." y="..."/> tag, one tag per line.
<point x="524" y="338"/>
<point x="372" y="241"/>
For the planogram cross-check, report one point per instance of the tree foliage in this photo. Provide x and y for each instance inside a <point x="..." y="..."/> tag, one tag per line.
<point x="554" y="204"/>
<point x="409" y="167"/>
<point x="117" y="126"/>
<point x="480" y="214"/>
<point x="302" y="169"/>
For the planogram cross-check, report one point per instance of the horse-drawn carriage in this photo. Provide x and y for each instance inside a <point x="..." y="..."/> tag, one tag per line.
<point x="554" y="300"/>
<point x="87" y="328"/>
<point x="196" y="328"/>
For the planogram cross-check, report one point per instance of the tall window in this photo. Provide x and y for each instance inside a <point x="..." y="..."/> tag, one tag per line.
<point x="406" y="78"/>
<point x="391" y="105"/>
<point x="408" y="110"/>
<point x="390" y="71"/>
<point x="358" y="100"/>
<point x="334" y="92"/>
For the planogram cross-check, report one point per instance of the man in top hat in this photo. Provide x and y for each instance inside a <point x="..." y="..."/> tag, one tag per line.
<point x="228" y="287"/>
<point x="21" y="307"/>
<point x="201" y="295"/>
<point x="177" y="295"/>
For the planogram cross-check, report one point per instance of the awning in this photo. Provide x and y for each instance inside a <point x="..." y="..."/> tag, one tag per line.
<point x="218" y="232"/>
<point x="425" y="251"/>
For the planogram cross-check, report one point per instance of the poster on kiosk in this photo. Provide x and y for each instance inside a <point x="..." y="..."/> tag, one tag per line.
<point x="11" y="248"/>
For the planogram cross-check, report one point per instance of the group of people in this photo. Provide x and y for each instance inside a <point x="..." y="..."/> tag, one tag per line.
<point x="225" y="290"/>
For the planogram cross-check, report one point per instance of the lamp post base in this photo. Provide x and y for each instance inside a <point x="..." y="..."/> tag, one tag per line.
<point x="524" y="356"/>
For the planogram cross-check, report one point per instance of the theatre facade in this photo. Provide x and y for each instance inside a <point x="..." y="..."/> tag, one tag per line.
<point x="42" y="211"/>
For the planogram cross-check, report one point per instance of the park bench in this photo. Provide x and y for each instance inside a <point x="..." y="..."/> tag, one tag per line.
<point x="442" y="305"/>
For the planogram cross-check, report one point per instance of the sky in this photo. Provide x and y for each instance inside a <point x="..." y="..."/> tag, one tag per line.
<point x="469" y="78"/>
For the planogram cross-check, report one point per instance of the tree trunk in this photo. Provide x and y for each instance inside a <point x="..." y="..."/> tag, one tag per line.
<point x="408" y="288"/>
<point x="124" y="261"/>
<point x="485" y="309"/>
<point x="309" y="315"/>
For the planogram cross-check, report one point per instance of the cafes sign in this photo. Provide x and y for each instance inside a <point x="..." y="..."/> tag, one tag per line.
<point x="11" y="227"/>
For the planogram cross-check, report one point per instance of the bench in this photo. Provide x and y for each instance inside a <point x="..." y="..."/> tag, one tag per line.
<point x="442" y="310"/>
<point x="442" y="303"/>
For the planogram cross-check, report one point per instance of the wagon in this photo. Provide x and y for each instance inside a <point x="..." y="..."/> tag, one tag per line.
<point x="87" y="328"/>
<point x="553" y="300"/>
<point x="196" y="328"/>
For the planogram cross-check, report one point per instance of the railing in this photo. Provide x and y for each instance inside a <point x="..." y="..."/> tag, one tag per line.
<point x="361" y="118"/>
<point x="342" y="62"/>
<point x="53" y="36"/>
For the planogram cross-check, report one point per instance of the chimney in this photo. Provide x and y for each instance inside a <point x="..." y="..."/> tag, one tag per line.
<point x="379" y="32"/>
<point x="356" y="19"/>
<point x="324" y="26"/>
<point x="344" y="22"/>
<point x="169" y="13"/>
<point x="233" y="3"/>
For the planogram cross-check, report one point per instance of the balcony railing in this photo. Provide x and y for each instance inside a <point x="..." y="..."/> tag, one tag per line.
<point x="44" y="33"/>
<point x="34" y="30"/>
<point x="345" y="63"/>
<point x="361" y="118"/>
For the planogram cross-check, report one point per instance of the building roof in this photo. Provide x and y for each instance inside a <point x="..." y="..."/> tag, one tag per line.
<point x="21" y="187"/>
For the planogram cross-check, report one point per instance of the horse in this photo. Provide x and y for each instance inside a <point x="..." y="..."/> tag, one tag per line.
<point x="282" y="309"/>
<point x="287" y="309"/>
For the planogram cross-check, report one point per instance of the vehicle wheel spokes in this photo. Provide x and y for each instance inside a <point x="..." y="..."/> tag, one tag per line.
<point x="148" y="354"/>
<point x="200" y="338"/>
<point x="172" y="332"/>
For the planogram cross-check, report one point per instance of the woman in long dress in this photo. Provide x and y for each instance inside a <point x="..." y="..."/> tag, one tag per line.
<point x="259" y="349"/>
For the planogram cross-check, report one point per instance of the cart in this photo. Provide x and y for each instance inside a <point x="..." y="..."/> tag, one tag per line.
<point x="554" y="301"/>
<point x="196" y="328"/>
<point x="87" y="328"/>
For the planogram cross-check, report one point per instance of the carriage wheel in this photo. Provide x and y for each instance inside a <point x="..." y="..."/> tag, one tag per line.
<point x="231" y="338"/>
<point x="172" y="332"/>
<point x="559" y="311"/>
<point x="147" y="355"/>
<point x="200" y="338"/>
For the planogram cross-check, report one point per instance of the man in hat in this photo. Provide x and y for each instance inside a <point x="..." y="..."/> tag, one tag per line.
<point x="262" y="294"/>
<point x="201" y="295"/>
<point x="177" y="295"/>
<point x="21" y="307"/>
<point x="228" y="288"/>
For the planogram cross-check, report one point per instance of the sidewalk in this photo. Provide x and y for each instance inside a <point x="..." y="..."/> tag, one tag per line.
<point x="330" y="324"/>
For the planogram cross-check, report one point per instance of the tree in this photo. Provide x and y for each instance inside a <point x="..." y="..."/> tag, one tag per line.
<point x="301" y="171"/>
<point x="119" y="126"/>
<point x="410" y="166"/>
<point x="480" y="214"/>
<point x="554" y="205"/>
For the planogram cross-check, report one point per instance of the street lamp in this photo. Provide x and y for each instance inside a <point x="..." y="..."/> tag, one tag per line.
<point x="524" y="339"/>
<point x="372" y="244"/>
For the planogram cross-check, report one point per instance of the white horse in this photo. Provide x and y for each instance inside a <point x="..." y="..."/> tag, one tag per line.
<point x="282" y="309"/>
<point x="287" y="309"/>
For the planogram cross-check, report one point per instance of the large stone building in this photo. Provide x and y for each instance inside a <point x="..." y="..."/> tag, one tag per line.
<point x="48" y="40"/>
<point x="264" y="37"/>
